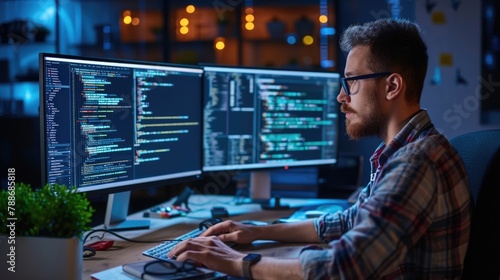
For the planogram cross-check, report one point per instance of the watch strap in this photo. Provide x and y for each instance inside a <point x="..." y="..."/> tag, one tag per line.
<point x="248" y="261"/>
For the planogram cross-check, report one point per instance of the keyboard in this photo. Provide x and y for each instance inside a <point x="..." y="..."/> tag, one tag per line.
<point x="160" y="251"/>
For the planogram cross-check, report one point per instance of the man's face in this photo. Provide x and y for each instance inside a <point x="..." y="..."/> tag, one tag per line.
<point x="363" y="107"/>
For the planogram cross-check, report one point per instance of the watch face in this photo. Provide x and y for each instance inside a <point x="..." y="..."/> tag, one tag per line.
<point x="252" y="257"/>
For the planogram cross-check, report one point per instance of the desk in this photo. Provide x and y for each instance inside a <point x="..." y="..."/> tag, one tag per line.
<point x="126" y="252"/>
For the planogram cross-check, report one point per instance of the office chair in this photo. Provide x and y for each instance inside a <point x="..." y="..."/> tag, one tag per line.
<point x="480" y="152"/>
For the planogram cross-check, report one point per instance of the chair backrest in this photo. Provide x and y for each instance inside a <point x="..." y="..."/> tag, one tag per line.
<point x="480" y="152"/>
<point x="477" y="150"/>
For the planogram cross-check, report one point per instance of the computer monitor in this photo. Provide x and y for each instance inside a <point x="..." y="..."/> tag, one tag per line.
<point x="257" y="119"/>
<point x="111" y="126"/>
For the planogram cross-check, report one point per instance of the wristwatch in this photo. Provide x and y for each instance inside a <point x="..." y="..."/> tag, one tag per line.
<point x="248" y="261"/>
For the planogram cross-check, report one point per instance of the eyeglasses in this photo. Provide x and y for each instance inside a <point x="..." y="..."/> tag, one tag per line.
<point x="346" y="85"/>
<point x="166" y="267"/>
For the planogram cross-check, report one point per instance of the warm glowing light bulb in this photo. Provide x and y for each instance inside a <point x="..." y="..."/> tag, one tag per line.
<point x="307" y="40"/>
<point x="248" y="11"/>
<point x="184" y="30"/>
<point x="126" y="13"/>
<point x="249" y="18"/>
<point x="127" y="19"/>
<point x="220" y="45"/>
<point x="249" y="26"/>
<point x="190" y="9"/>
<point x="135" y="21"/>
<point x="184" y="22"/>
<point x="323" y="19"/>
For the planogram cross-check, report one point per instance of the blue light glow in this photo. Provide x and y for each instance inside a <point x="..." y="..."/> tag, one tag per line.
<point x="47" y="14"/>
<point x="327" y="63"/>
<point x="489" y="59"/>
<point x="489" y="12"/>
<point x="327" y="31"/>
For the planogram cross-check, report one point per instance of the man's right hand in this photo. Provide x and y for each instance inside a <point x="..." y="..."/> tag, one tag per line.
<point x="232" y="231"/>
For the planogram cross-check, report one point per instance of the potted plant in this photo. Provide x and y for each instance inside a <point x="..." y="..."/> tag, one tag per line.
<point x="40" y="33"/>
<point x="276" y="28"/>
<point x="157" y="32"/>
<point x="304" y="26"/>
<point x="224" y="26"/>
<point x="41" y="236"/>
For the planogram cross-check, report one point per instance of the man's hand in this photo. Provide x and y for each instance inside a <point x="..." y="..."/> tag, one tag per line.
<point x="210" y="252"/>
<point x="231" y="231"/>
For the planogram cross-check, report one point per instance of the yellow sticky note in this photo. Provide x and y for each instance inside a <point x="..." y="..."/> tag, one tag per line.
<point x="446" y="59"/>
<point x="438" y="17"/>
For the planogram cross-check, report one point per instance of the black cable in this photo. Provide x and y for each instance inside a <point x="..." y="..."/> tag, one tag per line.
<point x="125" y="238"/>
<point x="90" y="252"/>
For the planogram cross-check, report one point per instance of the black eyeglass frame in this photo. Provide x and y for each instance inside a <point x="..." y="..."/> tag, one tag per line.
<point x="345" y="86"/>
<point x="174" y="267"/>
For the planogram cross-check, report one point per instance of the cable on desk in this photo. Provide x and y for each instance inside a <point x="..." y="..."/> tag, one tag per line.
<point x="90" y="252"/>
<point x="194" y="212"/>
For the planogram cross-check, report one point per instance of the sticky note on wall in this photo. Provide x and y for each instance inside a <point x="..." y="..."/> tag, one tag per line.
<point x="446" y="59"/>
<point x="438" y="17"/>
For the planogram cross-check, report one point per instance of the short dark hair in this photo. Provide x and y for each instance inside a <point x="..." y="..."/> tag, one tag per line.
<point x="396" y="45"/>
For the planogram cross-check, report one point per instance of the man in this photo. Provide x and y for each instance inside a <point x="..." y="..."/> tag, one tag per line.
<point x="411" y="221"/>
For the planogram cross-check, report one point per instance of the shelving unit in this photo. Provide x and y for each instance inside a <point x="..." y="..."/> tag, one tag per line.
<point x="19" y="82"/>
<point x="258" y="46"/>
<point x="158" y="36"/>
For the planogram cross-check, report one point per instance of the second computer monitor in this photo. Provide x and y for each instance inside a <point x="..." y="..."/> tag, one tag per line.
<point x="268" y="118"/>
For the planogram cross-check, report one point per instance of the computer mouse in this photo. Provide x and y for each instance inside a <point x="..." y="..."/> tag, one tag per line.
<point x="208" y="223"/>
<point x="314" y="213"/>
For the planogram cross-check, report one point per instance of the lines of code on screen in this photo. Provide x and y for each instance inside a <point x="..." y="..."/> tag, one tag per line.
<point x="109" y="123"/>
<point x="269" y="118"/>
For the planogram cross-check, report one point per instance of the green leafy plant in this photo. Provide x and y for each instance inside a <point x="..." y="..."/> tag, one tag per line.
<point x="50" y="211"/>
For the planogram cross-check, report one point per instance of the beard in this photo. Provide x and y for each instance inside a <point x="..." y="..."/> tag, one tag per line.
<point x="369" y="120"/>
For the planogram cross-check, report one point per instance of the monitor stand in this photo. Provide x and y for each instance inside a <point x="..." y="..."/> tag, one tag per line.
<point x="117" y="212"/>
<point x="260" y="186"/>
<point x="260" y="191"/>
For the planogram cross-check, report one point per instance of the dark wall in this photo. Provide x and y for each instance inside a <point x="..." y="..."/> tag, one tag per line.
<point x="20" y="149"/>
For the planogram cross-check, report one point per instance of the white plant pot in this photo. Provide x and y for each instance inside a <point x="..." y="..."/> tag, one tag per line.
<point x="41" y="258"/>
